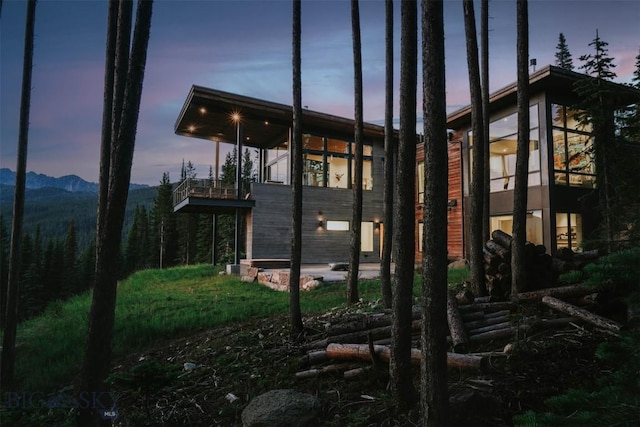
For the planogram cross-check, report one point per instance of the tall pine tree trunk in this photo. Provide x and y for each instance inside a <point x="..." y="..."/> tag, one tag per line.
<point x="7" y="365"/>
<point x="477" y="173"/>
<point x="356" y="223"/>
<point x="97" y="358"/>
<point x="519" y="231"/>
<point x="400" y="367"/>
<point x="389" y="159"/>
<point x="484" y="41"/>
<point x="434" y="391"/>
<point x="296" y="178"/>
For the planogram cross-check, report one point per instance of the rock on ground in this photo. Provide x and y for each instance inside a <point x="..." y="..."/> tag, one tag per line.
<point x="284" y="408"/>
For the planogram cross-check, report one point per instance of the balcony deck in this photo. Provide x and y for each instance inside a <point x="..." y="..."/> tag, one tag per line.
<point x="207" y="196"/>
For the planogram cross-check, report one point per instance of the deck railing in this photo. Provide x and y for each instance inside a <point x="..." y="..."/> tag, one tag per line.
<point x="204" y="188"/>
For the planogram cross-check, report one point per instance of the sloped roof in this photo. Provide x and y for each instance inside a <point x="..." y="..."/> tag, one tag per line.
<point x="548" y="79"/>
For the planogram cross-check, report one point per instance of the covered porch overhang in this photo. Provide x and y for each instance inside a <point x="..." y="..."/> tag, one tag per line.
<point x="212" y="206"/>
<point x="213" y="114"/>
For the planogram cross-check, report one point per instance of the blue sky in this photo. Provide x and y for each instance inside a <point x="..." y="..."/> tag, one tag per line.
<point x="245" y="47"/>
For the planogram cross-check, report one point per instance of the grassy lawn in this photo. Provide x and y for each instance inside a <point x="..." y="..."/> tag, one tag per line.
<point x="157" y="305"/>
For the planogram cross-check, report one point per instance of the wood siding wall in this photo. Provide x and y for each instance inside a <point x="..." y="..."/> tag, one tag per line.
<point x="455" y="213"/>
<point x="455" y="216"/>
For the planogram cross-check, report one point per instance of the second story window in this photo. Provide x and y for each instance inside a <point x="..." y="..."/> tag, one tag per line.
<point x="503" y="142"/>
<point x="573" y="157"/>
<point x="329" y="162"/>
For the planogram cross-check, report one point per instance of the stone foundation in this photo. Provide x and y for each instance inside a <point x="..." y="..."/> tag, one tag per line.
<point x="279" y="280"/>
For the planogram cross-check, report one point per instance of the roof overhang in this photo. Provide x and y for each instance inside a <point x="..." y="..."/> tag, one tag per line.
<point x="208" y="114"/>
<point x="550" y="79"/>
<point x="213" y="206"/>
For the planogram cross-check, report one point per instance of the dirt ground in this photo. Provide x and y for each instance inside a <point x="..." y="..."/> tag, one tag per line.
<point x="233" y="364"/>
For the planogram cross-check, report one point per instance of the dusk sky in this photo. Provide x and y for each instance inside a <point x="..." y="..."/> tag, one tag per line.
<point x="244" y="47"/>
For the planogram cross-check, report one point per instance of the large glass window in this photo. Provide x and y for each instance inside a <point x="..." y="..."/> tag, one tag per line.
<point x="503" y="142"/>
<point x="313" y="173"/>
<point x="327" y="162"/>
<point x="573" y="157"/>
<point x="533" y="227"/>
<point x="568" y="231"/>
<point x="277" y="164"/>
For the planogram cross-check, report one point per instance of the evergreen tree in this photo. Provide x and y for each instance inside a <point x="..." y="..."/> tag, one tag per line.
<point x="563" y="56"/>
<point x="33" y="295"/>
<point x="26" y="278"/>
<point x="52" y="270"/>
<point x="204" y="239"/>
<point x="86" y="266"/>
<point x="595" y="111"/>
<point x="187" y="225"/>
<point x="146" y="249"/>
<point x="226" y="222"/>
<point x="70" y="278"/>
<point x="248" y="171"/>
<point x="132" y="247"/>
<point x="626" y="158"/>
<point x="164" y="225"/>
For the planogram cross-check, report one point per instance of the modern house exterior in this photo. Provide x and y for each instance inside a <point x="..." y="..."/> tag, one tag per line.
<point x="561" y="198"/>
<point x="328" y="156"/>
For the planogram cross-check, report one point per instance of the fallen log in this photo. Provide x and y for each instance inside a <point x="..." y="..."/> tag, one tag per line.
<point x="473" y="315"/>
<point x="364" y="321"/>
<point x="316" y="372"/>
<point x="587" y="316"/>
<point x="502" y="238"/>
<point x="359" y="336"/>
<point x="489" y="328"/>
<point x="490" y="259"/>
<point x="313" y="357"/>
<point x="361" y="352"/>
<point x="495" y="248"/>
<point x="351" y="373"/>
<point x="500" y="313"/>
<point x="486" y="322"/>
<point x="493" y="335"/>
<point x="488" y="307"/>
<point x="456" y="325"/>
<point x="569" y="291"/>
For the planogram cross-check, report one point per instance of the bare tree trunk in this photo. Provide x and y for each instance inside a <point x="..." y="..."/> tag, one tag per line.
<point x="295" y="313"/>
<point x="389" y="159"/>
<point x="484" y="41"/>
<point x="110" y="92"/>
<point x="433" y="372"/>
<point x="356" y="223"/>
<point x="519" y="232"/>
<point x="97" y="359"/>
<point x="400" y="367"/>
<point x="11" y="320"/>
<point x="477" y="173"/>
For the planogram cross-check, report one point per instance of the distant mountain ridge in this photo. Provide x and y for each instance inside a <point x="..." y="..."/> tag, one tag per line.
<point x="71" y="183"/>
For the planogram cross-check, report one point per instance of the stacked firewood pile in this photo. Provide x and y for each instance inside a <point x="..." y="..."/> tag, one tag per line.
<point x="352" y="339"/>
<point x="542" y="269"/>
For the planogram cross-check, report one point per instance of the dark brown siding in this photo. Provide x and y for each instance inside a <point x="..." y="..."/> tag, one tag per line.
<point x="455" y="217"/>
